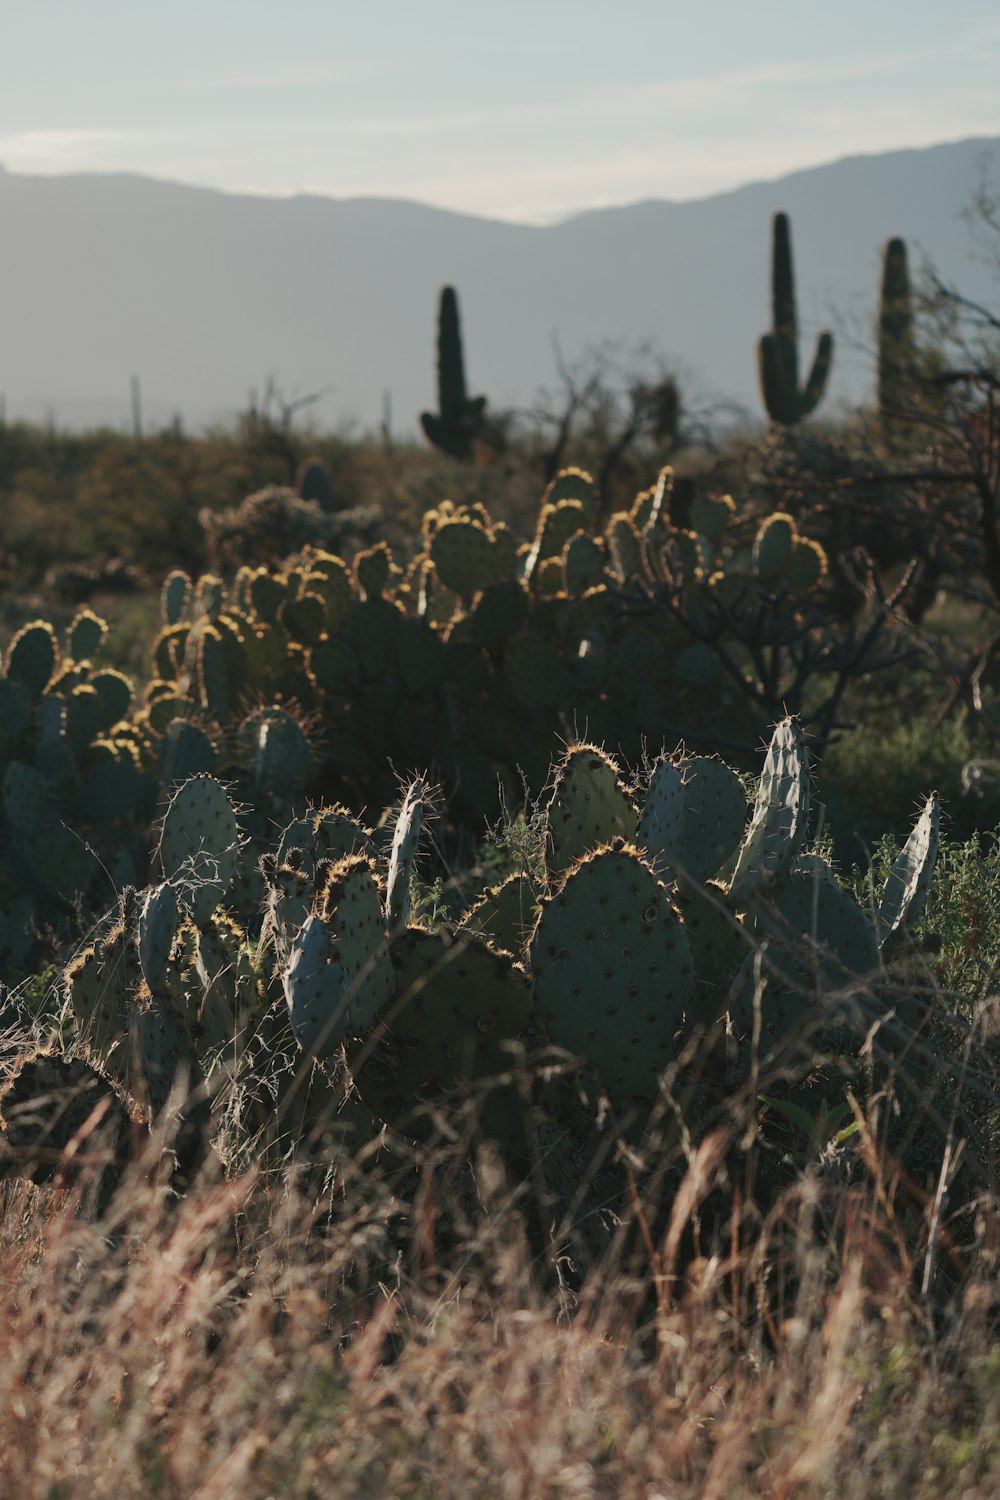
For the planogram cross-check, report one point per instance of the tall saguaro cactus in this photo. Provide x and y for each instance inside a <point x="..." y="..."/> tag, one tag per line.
<point x="453" y="428"/>
<point x="778" y="351"/>
<point x="895" y="332"/>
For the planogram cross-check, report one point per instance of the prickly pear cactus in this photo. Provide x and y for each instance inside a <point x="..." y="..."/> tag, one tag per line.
<point x="86" y="632"/>
<point x="505" y="914"/>
<point x="459" y="1007"/>
<point x="463" y="555"/>
<point x="693" y="818"/>
<point x="910" y="877"/>
<point x="32" y="656"/>
<point x="174" y="596"/>
<point x="715" y="814"/>
<point x="339" y="974"/>
<point x="157" y="928"/>
<point x="199" y="845"/>
<point x="812" y="940"/>
<point x="611" y="969"/>
<point x="780" y="816"/>
<point x="589" y="807"/>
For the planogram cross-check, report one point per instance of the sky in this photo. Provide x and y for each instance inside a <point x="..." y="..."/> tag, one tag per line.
<point x="527" y="111"/>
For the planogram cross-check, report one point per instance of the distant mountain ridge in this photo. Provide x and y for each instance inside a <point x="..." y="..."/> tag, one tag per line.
<point x="204" y="294"/>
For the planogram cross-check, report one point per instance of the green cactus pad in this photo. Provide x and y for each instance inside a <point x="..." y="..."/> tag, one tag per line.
<point x="209" y="595"/>
<point x="773" y="546"/>
<point x="710" y="515"/>
<point x="505" y="914"/>
<point x="339" y="974"/>
<point x="806" y="565"/>
<point x="281" y="755"/>
<point x="218" y="682"/>
<point x="573" y="484"/>
<point x="625" y="547"/>
<point x="817" y="939"/>
<point x="329" y="833"/>
<point x="583" y="563"/>
<point x="420" y="656"/>
<point x="612" y="971"/>
<point x="161" y="1056"/>
<point x="373" y="570"/>
<point x="589" y="807"/>
<point x="780" y="815"/>
<point x="84" y="718"/>
<point x="223" y="966"/>
<point x="114" y="693"/>
<point x="556" y="524"/>
<point x="157" y="928"/>
<point x="168" y="651"/>
<point x="718" y="948"/>
<point x="199" y="845"/>
<point x="267" y="594"/>
<point x="32" y="656"/>
<point x="462" y="554"/>
<point x="113" y="788"/>
<point x="715" y="816"/>
<point x="186" y="751"/>
<point x="499" y="613"/>
<point x="315" y="990"/>
<point x="661" y="823"/>
<point x="810" y="903"/>
<point x="336" y="666"/>
<point x="85" y="634"/>
<point x="909" y="880"/>
<point x="174" y="596"/>
<point x="458" y="1008"/>
<point x="99" y="984"/>
<point x="330" y="577"/>
<point x="304" y="618"/>
<point x="372" y="627"/>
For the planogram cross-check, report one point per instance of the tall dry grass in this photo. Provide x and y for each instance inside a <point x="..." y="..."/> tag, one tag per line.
<point x="415" y="1328"/>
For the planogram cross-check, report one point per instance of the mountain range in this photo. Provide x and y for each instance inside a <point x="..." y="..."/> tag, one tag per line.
<point x="204" y="295"/>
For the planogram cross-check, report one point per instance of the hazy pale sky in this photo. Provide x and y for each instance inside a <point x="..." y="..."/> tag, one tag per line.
<point x="527" y="110"/>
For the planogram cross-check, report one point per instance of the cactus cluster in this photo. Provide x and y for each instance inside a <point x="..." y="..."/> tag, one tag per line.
<point x="73" y="792"/>
<point x="312" y="678"/>
<point x="662" y="911"/>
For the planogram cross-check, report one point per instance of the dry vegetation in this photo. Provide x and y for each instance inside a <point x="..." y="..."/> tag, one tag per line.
<point x="406" y="1330"/>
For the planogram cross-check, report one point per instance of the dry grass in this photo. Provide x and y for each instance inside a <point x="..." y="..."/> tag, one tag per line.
<point x="391" y="1338"/>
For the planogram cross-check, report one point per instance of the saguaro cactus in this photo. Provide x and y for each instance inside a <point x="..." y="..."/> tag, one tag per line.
<point x="778" y="351"/>
<point x="454" y="427"/>
<point x="895" y="332"/>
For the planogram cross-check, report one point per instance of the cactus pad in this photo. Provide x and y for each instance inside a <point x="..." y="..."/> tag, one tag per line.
<point x="612" y="969"/>
<point x="589" y="807"/>
<point x="199" y="845"/>
<point x="459" y="1005"/>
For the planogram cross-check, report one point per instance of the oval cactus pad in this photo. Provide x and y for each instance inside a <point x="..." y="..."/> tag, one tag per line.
<point x="612" y="969"/>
